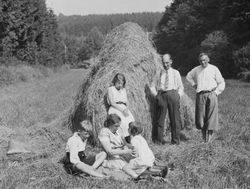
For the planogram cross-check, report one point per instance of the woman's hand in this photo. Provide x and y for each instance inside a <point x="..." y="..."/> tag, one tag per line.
<point x="125" y="112"/>
<point x="133" y="153"/>
<point x="128" y="151"/>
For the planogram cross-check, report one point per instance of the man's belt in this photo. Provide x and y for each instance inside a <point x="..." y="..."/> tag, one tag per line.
<point x="164" y="91"/>
<point x="206" y="91"/>
<point x="121" y="103"/>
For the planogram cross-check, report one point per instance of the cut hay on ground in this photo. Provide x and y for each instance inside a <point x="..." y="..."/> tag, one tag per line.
<point x="126" y="50"/>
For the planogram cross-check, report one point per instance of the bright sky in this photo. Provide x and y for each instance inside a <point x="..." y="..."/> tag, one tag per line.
<point x="84" y="7"/>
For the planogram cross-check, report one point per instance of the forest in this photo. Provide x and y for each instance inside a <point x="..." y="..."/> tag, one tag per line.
<point x="78" y="25"/>
<point x="84" y="35"/>
<point x="219" y="28"/>
<point x="30" y="32"/>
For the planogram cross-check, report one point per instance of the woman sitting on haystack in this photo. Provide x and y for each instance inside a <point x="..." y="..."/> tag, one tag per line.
<point x="118" y="101"/>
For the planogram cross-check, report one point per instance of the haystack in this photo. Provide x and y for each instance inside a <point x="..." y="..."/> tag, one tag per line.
<point x="126" y="50"/>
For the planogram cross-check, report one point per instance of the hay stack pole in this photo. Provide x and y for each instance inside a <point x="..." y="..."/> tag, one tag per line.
<point x="126" y="50"/>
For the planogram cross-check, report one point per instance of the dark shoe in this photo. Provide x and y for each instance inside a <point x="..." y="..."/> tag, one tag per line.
<point x="139" y="179"/>
<point x="175" y="143"/>
<point x="183" y="137"/>
<point x="171" y="166"/>
<point x="161" y="142"/>
<point x="164" y="172"/>
<point x="204" y="135"/>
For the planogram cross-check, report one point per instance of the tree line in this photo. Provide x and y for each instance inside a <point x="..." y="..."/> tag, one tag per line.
<point x="83" y="36"/>
<point x="220" y="28"/>
<point x="79" y="25"/>
<point x="32" y="33"/>
<point x="29" y="32"/>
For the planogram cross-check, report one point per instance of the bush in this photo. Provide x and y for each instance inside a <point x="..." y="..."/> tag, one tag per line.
<point x="241" y="58"/>
<point x="244" y="76"/>
<point x="6" y="77"/>
<point x="217" y="46"/>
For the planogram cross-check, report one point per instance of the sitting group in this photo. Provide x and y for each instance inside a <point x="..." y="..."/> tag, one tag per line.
<point x="116" y="152"/>
<point x="121" y="135"/>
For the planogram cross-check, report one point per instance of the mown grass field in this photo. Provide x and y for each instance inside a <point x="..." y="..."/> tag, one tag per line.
<point x="32" y="112"/>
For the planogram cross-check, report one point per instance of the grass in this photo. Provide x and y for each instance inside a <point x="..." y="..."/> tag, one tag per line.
<point x="33" y="111"/>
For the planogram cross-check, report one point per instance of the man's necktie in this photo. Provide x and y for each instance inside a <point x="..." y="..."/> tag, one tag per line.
<point x="166" y="81"/>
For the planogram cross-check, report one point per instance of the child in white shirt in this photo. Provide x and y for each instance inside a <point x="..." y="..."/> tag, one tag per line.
<point x="144" y="157"/>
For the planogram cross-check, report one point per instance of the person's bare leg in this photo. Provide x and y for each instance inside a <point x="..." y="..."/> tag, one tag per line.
<point x="127" y="169"/>
<point x="88" y="169"/>
<point x="100" y="157"/>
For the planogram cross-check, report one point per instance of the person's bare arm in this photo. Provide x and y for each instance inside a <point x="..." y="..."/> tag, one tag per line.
<point x="114" y="151"/>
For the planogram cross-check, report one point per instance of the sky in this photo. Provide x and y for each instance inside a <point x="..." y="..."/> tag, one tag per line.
<point x="85" y="7"/>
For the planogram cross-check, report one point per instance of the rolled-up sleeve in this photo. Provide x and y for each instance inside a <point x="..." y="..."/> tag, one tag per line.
<point x="179" y="83"/>
<point x="190" y="77"/>
<point x="103" y="136"/>
<point x="220" y="82"/>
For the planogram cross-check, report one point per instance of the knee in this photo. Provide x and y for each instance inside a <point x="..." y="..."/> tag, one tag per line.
<point x="127" y="167"/>
<point x="103" y="154"/>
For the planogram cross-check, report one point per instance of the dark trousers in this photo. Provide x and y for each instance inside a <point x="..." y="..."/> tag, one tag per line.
<point x="169" y="101"/>
<point x="71" y="169"/>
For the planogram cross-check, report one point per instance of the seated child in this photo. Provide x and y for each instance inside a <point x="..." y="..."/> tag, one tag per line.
<point x="76" y="160"/>
<point x="144" y="157"/>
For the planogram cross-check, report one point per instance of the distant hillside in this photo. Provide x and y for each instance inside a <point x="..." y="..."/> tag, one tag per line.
<point x="78" y="25"/>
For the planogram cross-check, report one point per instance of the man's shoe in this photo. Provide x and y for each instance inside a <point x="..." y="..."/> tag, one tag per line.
<point x="211" y="137"/>
<point x="161" y="142"/>
<point x="183" y="137"/>
<point x="175" y="143"/>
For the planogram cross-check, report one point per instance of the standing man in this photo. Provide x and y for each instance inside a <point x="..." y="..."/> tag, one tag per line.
<point x="170" y="88"/>
<point x="209" y="83"/>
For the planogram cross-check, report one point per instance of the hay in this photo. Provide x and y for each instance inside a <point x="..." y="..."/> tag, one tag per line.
<point x="126" y="50"/>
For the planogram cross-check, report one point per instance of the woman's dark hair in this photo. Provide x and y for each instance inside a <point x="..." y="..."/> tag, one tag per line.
<point x="119" y="77"/>
<point x="135" y="128"/>
<point x="111" y="120"/>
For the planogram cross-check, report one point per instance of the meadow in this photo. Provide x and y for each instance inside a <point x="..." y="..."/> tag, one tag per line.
<point x="33" y="112"/>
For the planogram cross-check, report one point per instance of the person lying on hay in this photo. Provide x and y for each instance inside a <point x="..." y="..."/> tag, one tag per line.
<point x="77" y="161"/>
<point x="115" y="148"/>
<point x="118" y="101"/>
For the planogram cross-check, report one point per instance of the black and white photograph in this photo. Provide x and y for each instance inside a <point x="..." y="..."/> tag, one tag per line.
<point x="124" y="94"/>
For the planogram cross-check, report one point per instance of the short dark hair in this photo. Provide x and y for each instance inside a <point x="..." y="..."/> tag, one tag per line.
<point x="119" y="77"/>
<point x="203" y="54"/>
<point x="165" y="54"/>
<point x="111" y="120"/>
<point x="135" y="128"/>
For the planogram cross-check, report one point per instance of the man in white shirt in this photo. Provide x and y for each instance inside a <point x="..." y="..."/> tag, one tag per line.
<point x="209" y="83"/>
<point x="170" y="88"/>
<point x="77" y="161"/>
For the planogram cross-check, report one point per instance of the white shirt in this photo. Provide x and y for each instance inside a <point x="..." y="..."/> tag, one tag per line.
<point x="174" y="81"/>
<point x="118" y="95"/>
<point x="143" y="152"/>
<point x="206" y="79"/>
<point x="75" y="145"/>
